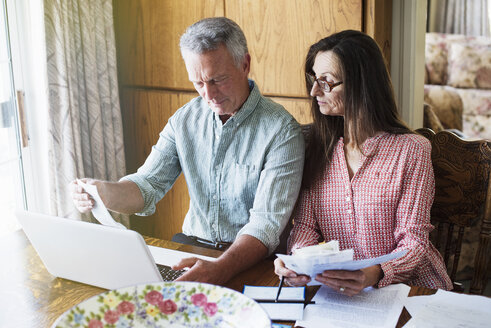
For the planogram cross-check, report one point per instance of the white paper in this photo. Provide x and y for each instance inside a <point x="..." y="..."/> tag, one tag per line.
<point x="449" y="309"/>
<point x="99" y="210"/>
<point x="269" y="293"/>
<point x="313" y="266"/>
<point x="373" y="307"/>
<point x="284" y="311"/>
<point x="170" y="257"/>
<point x="279" y="311"/>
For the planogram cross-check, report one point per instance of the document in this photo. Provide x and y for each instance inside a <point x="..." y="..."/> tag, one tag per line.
<point x="372" y="307"/>
<point x="279" y="311"/>
<point x="448" y="309"/>
<point x="269" y="293"/>
<point x="100" y="211"/>
<point x="283" y="311"/>
<point x="311" y="266"/>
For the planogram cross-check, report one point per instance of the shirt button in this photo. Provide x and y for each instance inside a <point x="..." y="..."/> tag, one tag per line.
<point x="348" y="199"/>
<point x="349" y="211"/>
<point x="217" y="137"/>
<point x="217" y="167"/>
<point x="215" y="197"/>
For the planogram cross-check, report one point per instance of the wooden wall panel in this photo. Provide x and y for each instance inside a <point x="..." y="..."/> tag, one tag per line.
<point x="148" y="33"/>
<point x="279" y="33"/>
<point x="145" y="114"/>
<point x="378" y="24"/>
<point x="299" y="108"/>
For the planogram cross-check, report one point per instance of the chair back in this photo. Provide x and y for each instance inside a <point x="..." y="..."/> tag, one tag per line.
<point x="462" y="200"/>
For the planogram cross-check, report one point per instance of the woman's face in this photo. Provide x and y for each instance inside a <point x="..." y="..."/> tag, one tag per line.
<point x="326" y="65"/>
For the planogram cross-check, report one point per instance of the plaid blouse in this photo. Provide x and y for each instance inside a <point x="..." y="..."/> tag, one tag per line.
<point x="384" y="208"/>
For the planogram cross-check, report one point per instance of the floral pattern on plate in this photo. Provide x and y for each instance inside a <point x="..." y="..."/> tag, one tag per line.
<point x="166" y="304"/>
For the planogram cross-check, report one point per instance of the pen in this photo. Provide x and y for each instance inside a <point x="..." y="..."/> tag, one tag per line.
<point x="285" y="301"/>
<point x="279" y="288"/>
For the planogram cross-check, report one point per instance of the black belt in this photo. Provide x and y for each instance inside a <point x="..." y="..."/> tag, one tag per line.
<point x="220" y="245"/>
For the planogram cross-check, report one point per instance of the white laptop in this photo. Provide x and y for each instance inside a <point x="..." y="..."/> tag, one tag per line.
<point x="95" y="254"/>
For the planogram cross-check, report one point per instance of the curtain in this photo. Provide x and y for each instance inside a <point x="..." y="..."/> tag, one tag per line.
<point x="459" y="17"/>
<point x="85" y="123"/>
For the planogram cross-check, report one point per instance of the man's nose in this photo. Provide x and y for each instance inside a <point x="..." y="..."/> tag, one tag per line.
<point x="210" y="90"/>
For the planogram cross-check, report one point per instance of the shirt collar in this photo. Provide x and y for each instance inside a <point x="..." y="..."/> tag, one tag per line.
<point x="369" y="147"/>
<point x="247" y="107"/>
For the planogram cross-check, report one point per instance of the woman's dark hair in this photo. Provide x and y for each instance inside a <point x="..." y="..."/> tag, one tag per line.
<point x="369" y="105"/>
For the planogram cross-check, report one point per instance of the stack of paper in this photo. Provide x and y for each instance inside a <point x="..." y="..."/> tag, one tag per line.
<point x="340" y="260"/>
<point x="448" y="309"/>
<point x="372" y="307"/>
<point x="330" y="249"/>
<point x="289" y="307"/>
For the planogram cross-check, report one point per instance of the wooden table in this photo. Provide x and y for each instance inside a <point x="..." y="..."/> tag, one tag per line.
<point x="31" y="297"/>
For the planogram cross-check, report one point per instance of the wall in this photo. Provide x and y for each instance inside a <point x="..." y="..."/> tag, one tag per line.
<point x="153" y="79"/>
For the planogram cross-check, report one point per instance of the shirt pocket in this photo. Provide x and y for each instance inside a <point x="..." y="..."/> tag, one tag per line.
<point x="242" y="185"/>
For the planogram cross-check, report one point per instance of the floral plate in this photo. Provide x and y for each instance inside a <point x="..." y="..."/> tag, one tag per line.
<point x="166" y="304"/>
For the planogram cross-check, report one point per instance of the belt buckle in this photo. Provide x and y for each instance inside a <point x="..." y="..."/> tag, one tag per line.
<point x="220" y="245"/>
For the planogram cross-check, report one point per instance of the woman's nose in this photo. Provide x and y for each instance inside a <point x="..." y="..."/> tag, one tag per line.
<point x="316" y="90"/>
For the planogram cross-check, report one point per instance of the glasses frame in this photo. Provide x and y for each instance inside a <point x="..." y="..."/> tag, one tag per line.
<point x="322" y="82"/>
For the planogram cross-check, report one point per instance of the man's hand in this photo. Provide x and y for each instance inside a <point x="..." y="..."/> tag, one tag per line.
<point x="202" y="271"/>
<point x="351" y="282"/>
<point x="291" y="277"/>
<point x="81" y="199"/>
<point x="122" y="196"/>
<point x="242" y="254"/>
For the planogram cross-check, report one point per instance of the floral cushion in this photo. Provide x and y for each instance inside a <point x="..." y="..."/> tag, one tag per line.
<point x="477" y="126"/>
<point x="436" y="63"/>
<point x="436" y="53"/>
<point x="475" y="101"/>
<point x="459" y="64"/>
<point x="477" y="112"/>
<point x="469" y="66"/>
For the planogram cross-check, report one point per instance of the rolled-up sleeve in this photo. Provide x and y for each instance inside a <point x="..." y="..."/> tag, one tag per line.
<point x="160" y="170"/>
<point x="278" y="187"/>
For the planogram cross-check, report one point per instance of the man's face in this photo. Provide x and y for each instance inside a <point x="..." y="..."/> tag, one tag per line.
<point x="218" y="80"/>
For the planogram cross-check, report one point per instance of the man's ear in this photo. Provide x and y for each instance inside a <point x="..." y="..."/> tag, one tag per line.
<point x="246" y="64"/>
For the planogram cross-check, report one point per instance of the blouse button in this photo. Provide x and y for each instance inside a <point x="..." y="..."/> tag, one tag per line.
<point x="348" y="199"/>
<point x="349" y="211"/>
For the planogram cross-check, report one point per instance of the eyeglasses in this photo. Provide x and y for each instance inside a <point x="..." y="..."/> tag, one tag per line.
<point x="322" y="82"/>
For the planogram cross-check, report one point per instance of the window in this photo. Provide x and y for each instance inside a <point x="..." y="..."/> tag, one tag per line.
<point x="22" y="74"/>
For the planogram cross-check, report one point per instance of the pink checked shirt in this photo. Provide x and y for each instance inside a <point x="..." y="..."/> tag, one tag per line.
<point x="384" y="208"/>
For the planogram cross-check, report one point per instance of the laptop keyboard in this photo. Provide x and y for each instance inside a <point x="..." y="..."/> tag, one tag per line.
<point x="168" y="274"/>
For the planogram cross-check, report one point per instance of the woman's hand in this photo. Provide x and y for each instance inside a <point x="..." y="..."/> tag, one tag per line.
<point x="291" y="277"/>
<point x="350" y="282"/>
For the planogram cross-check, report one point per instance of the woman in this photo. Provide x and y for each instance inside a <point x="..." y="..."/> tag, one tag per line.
<point x="368" y="179"/>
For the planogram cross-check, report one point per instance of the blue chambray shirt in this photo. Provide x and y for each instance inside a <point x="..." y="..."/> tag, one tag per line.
<point x="243" y="176"/>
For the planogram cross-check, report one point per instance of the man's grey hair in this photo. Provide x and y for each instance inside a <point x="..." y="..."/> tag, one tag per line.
<point x="210" y="33"/>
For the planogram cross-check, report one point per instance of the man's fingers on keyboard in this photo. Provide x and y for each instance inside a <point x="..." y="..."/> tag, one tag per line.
<point x="185" y="263"/>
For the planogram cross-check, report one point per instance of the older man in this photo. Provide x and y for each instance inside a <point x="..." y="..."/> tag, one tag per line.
<point x="241" y="154"/>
